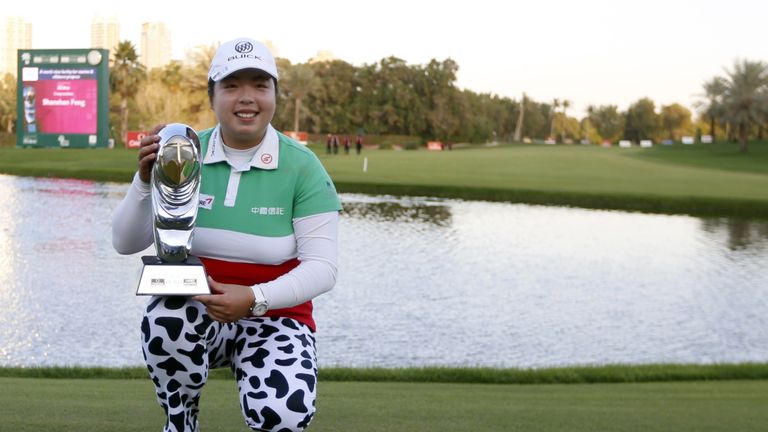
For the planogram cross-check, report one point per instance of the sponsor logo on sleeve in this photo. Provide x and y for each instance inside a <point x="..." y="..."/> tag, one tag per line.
<point x="206" y="201"/>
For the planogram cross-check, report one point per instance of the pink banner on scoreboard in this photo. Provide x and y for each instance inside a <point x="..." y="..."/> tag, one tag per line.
<point x="65" y="107"/>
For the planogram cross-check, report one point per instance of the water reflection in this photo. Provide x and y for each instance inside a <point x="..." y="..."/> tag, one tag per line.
<point x="59" y="305"/>
<point x="9" y="298"/>
<point x="421" y="282"/>
<point x="741" y="234"/>
<point x="517" y="285"/>
<point x="433" y="212"/>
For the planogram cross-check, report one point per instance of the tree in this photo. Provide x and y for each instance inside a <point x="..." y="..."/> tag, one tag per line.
<point x="520" y="119"/>
<point x="332" y="102"/>
<point x="552" y="112"/>
<point x="570" y="128"/>
<point x="8" y="103"/>
<point x="388" y="88"/>
<point x="537" y="122"/>
<point x="745" y="99"/>
<point x="126" y="75"/>
<point x="607" y="121"/>
<point x="641" y="121"/>
<point x="713" y="105"/>
<point x="298" y="81"/>
<point x="589" y="132"/>
<point x="565" y="104"/>
<point x="158" y="103"/>
<point x="443" y="112"/>
<point x="675" y="121"/>
<point x="172" y="76"/>
<point x="506" y="111"/>
<point x="195" y="86"/>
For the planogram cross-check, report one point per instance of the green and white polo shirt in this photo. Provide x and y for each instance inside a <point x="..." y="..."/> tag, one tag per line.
<point x="247" y="216"/>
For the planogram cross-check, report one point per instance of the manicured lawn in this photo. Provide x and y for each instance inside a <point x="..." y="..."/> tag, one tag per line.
<point x="702" y="179"/>
<point x="721" y="155"/>
<point x="576" y="374"/>
<point x="32" y="404"/>
<point x="577" y="169"/>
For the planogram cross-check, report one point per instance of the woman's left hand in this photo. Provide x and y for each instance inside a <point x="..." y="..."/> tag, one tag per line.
<point x="228" y="302"/>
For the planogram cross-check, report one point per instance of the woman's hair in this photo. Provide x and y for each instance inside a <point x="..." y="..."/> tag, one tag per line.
<point x="212" y="84"/>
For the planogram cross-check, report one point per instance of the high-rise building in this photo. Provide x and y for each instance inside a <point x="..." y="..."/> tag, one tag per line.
<point x="272" y="48"/>
<point x="105" y="33"/>
<point x="155" y="45"/>
<point x="323" y="56"/>
<point x="17" y="34"/>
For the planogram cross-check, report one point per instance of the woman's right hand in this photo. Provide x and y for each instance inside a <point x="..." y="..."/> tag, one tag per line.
<point x="148" y="153"/>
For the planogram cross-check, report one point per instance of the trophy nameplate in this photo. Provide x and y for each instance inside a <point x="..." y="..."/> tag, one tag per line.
<point x="159" y="278"/>
<point x="175" y="191"/>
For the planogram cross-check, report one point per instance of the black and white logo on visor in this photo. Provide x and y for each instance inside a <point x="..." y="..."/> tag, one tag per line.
<point x="244" y="47"/>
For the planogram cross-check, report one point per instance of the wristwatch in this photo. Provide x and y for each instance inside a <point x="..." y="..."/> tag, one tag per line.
<point x="260" y="304"/>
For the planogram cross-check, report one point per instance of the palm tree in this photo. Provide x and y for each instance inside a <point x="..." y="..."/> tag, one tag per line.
<point x="196" y="76"/>
<point x="555" y="106"/>
<point x="745" y="99"/>
<point x="125" y="77"/>
<point x="520" y="119"/>
<point x="565" y="104"/>
<point x="713" y="92"/>
<point x="195" y="84"/>
<point x="589" y="119"/>
<point x="172" y="76"/>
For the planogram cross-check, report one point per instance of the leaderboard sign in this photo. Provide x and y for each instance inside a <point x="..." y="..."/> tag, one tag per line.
<point x="62" y="98"/>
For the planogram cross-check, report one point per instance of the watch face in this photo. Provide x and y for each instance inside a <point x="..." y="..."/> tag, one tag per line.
<point x="259" y="309"/>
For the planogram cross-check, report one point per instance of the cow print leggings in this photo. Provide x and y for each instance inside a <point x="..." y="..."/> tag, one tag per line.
<point x="273" y="360"/>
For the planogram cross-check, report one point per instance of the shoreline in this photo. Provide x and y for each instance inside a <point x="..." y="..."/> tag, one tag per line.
<point x="685" y="206"/>
<point x="664" y="205"/>
<point x="611" y="373"/>
<point x="709" y="181"/>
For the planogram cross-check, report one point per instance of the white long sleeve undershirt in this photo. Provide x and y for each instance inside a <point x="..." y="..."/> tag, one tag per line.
<point x="316" y="244"/>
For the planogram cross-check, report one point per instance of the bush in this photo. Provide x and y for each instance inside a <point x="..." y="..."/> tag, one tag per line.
<point x="7" y="139"/>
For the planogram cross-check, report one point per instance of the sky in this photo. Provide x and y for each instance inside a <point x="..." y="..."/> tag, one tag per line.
<point x="597" y="52"/>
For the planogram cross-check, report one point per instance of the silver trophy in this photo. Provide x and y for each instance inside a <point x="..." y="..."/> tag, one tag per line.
<point x="175" y="186"/>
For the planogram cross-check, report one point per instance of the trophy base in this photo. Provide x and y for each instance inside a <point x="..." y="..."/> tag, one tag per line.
<point x="180" y="279"/>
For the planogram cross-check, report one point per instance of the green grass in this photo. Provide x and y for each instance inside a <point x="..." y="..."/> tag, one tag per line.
<point x="721" y="156"/>
<point x="590" y="177"/>
<point x="701" y="180"/>
<point x="90" y="164"/>
<point x="28" y="404"/>
<point x="476" y="375"/>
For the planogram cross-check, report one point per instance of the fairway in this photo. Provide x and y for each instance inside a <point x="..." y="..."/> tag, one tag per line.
<point x="702" y="180"/>
<point x="30" y="404"/>
<point x="575" y="169"/>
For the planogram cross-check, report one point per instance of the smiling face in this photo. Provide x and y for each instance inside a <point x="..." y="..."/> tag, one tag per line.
<point x="244" y="103"/>
<point x="29" y="104"/>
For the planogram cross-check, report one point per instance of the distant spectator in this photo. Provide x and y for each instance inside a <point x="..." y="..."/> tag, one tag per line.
<point x="328" y="142"/>
<point x="358" y="143"/>
<point x="335" y="144"/>
<point x="346" y="144"/>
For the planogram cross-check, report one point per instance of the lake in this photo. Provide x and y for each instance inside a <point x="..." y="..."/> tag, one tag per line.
<point x="421" y="282"/>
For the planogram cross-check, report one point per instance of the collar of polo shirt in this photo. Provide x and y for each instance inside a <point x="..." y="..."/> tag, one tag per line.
<point x="265" y="158"/>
